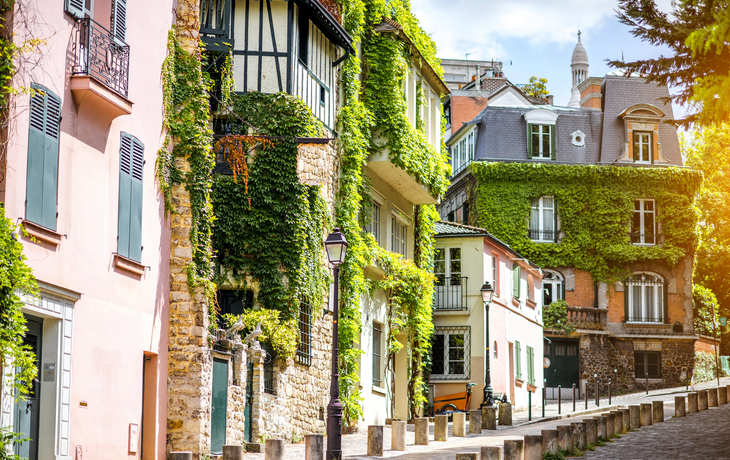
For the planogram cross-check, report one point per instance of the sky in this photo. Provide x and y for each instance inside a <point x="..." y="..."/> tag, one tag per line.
<point x="533" y="37"/>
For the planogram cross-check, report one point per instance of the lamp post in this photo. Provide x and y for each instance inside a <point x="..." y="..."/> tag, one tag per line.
<point x="487" y="292"/>
<point x="336" y="246"/>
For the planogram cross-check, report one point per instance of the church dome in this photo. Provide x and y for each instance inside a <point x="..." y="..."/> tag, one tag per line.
<point x="579" y="55"/>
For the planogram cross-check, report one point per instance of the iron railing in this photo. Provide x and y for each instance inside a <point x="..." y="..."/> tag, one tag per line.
<point x="269" y="384"/>
<point x="542" y="235"/>
<point x="304" y="348"/>
<point x="449" y="293"/>
<point x="646" y="319"/>
<point x="643" y="238"/>
<point x="99" y="54"/>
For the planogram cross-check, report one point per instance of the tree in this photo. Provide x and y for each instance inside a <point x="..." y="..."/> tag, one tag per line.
<point x="536" y="87"/>
<point x="696" y="32"/>
<point x="706" y="315"/>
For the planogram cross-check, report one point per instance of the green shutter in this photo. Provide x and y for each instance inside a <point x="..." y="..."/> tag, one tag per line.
<point x="529" y="140"/>
<point x="530" y="365"/>
<point x="75" y="8"/>
<point x="119" y="19"/>
<point x="553" y="143"/>
<point x="518" y="360"/>
<point x="516" y="281"/>
<point x="129" y="228"/>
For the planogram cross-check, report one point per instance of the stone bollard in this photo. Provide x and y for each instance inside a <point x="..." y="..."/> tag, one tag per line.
<point x="236" y="452"/>
<point x="579" y="434"/>
<point x="489" y="418"/>
<point x="626" y="419"/>
<point x="513" y="450"/>
<point x="618" y="422"/>
<point x="475" y="421"/>
<point x="375" y="440"/>
<point x="693" y="402"/>
<point x="398" y="435"/>
<point x="602" y="424"/>
<point x="459" y="426"/>
<point x="646" y="414"/>
<point x="565" y="437"/>
<point x="533" y="447"/>
<point x="505" y="414"/>
<point x="274" y="449"/>
<point x="550" y="444"/>
<point x="591" y="431"/>
<point x="421" y="428"/>
<point x="468" y="456"/>
<point x="491" y="453"/>
<point x="679" y="408"/>
<point x="313" y="447"/>
<point x="702" y="399"/>
<point x="635" y="417"/>
<point x="712" y="397"/>
<point x="441" y="428"/>
<point x="610" y="424"/>
<point x="657" y="411"/>
<point x="722" y="395"/>
<point x="181" y="456"/>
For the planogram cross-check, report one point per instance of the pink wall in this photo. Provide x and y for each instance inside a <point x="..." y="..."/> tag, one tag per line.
<point x="119" y="317"/>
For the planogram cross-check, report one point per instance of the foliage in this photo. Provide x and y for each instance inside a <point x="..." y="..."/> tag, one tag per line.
<point x="549" y="456"/>
<point x="555" y="317"/>
<point x="595" y="206"/>
<point x="705" y="367"/>
<point x="706" y="310"/>
<point x="696" y="32"/>
<point x="280" y="333"/>
<point x="16" y="279"/>
<point x="536" y="88"/>
<point x="706" y="151"/>
<point x="7" y="439"/>
<point x="188" y="136"/>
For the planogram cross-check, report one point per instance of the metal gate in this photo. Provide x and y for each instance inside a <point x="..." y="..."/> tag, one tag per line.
<point x="564" y="367"/>
<point x="247" y="425"/>
<point x="219" y="410"/>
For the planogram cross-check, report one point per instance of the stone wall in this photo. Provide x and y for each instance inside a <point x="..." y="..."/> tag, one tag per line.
<point x="235" y="418"/>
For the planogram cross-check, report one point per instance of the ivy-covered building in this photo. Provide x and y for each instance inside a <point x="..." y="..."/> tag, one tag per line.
<point x="598" y="197"/>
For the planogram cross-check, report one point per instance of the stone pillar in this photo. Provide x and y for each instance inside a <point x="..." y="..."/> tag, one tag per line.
<point x="579" y="433"/>
<point x="635" y="416"/>
<point x="274" y="449"/>
<point x="626" y="419"/>
<point x="180" y="456"/>
<point x="712" y="397"/>
<point x="702" y="399"/>
<point x="398" y="435"/>
<point x="602" y="425"/>
<point x="618" y="422"/>
<point x="692" y="402"/>
<point x="489" y="418"/>
<point x="491" y="453"/>
<point x="236" y="452"/>
<point x="513" y="450"/>
<point x="441" y="428"/>
<point x="505" y="414"/>
<point x="313" y="447"/>
<point x="550" y="444"/>
<point x="679" y="408"/>
<point x="375" y="441"/>
<point x="468" y="456"/>
<point x="421" y="428"/>
<point x="458" y="428"/>
<point x="565" y="437"/>
<point x="591" y="431"/>
<point x="722" y="395"/>
<point x="646" y="414"/>
<point x="475" y="421"/>
<point x="257" y="356"/>
<point x="657" y="411"/>
<point x="610" y="424"/>
<point x="533" y="447"/>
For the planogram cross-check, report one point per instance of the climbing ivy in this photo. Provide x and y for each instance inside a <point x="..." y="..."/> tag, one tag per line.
<point x="595" y="207"/>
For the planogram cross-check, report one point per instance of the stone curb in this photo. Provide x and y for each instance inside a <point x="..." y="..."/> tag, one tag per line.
<point x="574" y="414"/>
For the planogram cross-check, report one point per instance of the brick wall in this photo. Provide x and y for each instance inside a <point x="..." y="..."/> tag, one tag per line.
<point x="464" y="109"/>
<point x="584" y="294"/>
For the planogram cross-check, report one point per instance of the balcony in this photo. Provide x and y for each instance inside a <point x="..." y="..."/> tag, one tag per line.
<point x="449" y="293"/>
<point x="648" y="239"/>
<point x="588" y="317"/>
<point x="399" y="179"/>
<point x="100" y="71"/>
<point x="545" y="236"/>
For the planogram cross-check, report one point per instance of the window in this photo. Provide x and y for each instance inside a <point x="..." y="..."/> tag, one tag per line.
<point x="398" y="237"/>
<point x="377" y="344"/>
<point x="269" y="381"/>
<point x="304" y="348"/>
<point x="647" y="362"/>
<point x="495" y="274"/>
<point x="643" y="225"/>
<point x="373" y="226"/>
<point x="645" y="298"/>
<point x="543" y="219"/>
<point x="462" y="153"/>
<point x="119" y="19"/>
<point x="552" y="287"/>
<point x="450" y="286"/>
<point x="233" y="302"/>
<point x="129" y="226"/>
<point x="642" y="147"/>
<point x="42" y="175"/>
<point x="530" y="365"/>
<point x="303" y="38"/>
<point x="451" y="353"/>
<point x="542" y="141"/>
<point x="516" y="281"/>
<point x="518" y="360"/>
<point x="465" y="213"/>
<point x="322" y="95"/>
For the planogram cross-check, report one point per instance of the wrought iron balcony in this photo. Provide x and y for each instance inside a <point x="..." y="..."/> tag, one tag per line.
<point x="99" y="54"/>
<point x="449" y="293"/>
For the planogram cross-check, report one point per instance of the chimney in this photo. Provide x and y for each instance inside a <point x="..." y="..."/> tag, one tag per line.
<point x="478" y="86"/>
<point x="549" y="99"/>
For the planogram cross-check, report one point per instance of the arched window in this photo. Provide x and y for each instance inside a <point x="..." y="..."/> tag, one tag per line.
<point x="645" y="298"/>
<point x="552" y="287"/>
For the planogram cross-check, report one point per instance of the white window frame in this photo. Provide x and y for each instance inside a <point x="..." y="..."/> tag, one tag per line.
<point x="648" y="144"/>
<point x="398" y="245"/>
<point x="462" y="151"/>
<point x="449" y="292"/>
<point x="541" y="227"/>
<point x="556" y="282"/>
<point x="642" y="211"/>
<point x="447" y="332"/>
<point x="542" y="131"/>
<point x="648" y="286"/>
<point x="376" y="213"/>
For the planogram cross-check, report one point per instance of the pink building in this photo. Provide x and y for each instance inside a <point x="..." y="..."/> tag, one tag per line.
<point x="79" y="180"/>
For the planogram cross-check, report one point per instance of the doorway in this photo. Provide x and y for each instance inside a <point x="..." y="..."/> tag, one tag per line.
<point x="563" y="369"/>
<point x="26" y="412"/>
<point x="219" y="410"/>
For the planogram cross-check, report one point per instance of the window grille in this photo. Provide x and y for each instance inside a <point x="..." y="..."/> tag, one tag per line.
<point x="269" y="384"/>
<point x="645" y="299"/>
<point x="451" y="351"/>
<point x="304" y="348"/>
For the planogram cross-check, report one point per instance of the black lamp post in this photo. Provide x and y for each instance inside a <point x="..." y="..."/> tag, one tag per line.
<point x="336" y="245"/>
<point x="487" y="292"/>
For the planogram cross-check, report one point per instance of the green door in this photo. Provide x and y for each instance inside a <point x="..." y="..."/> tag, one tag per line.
<point x="220" y="406"/>
<point x="564" y="366"/>
<point x="247" y="425"/>
<point x="26" y="412"/>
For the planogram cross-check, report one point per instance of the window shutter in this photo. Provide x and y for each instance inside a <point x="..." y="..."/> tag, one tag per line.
<point x="529" y="140"/>
<point x="553" y="141"/>
<point x="518" y="360"/>
<point x="516" y="281"/>
<point x="129" y="230"/>
<point x="75" y="8"/>
<point x="119" y="19"/>
<point x="530" y="366"/>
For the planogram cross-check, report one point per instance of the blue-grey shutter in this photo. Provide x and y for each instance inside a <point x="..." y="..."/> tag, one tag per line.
<point x="135" y="212"/>
<point x="129" y="229"/>
<point x="75" y="8"/>
<point x="42" y="173"/>
<point x="119" y="19"/>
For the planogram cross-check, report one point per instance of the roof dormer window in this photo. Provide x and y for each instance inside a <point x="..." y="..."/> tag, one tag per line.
<point x="541" y="134"/>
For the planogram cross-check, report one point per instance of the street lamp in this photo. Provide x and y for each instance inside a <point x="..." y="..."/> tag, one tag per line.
<point x="487" y="292"/>
<point x="336" y="246"/>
